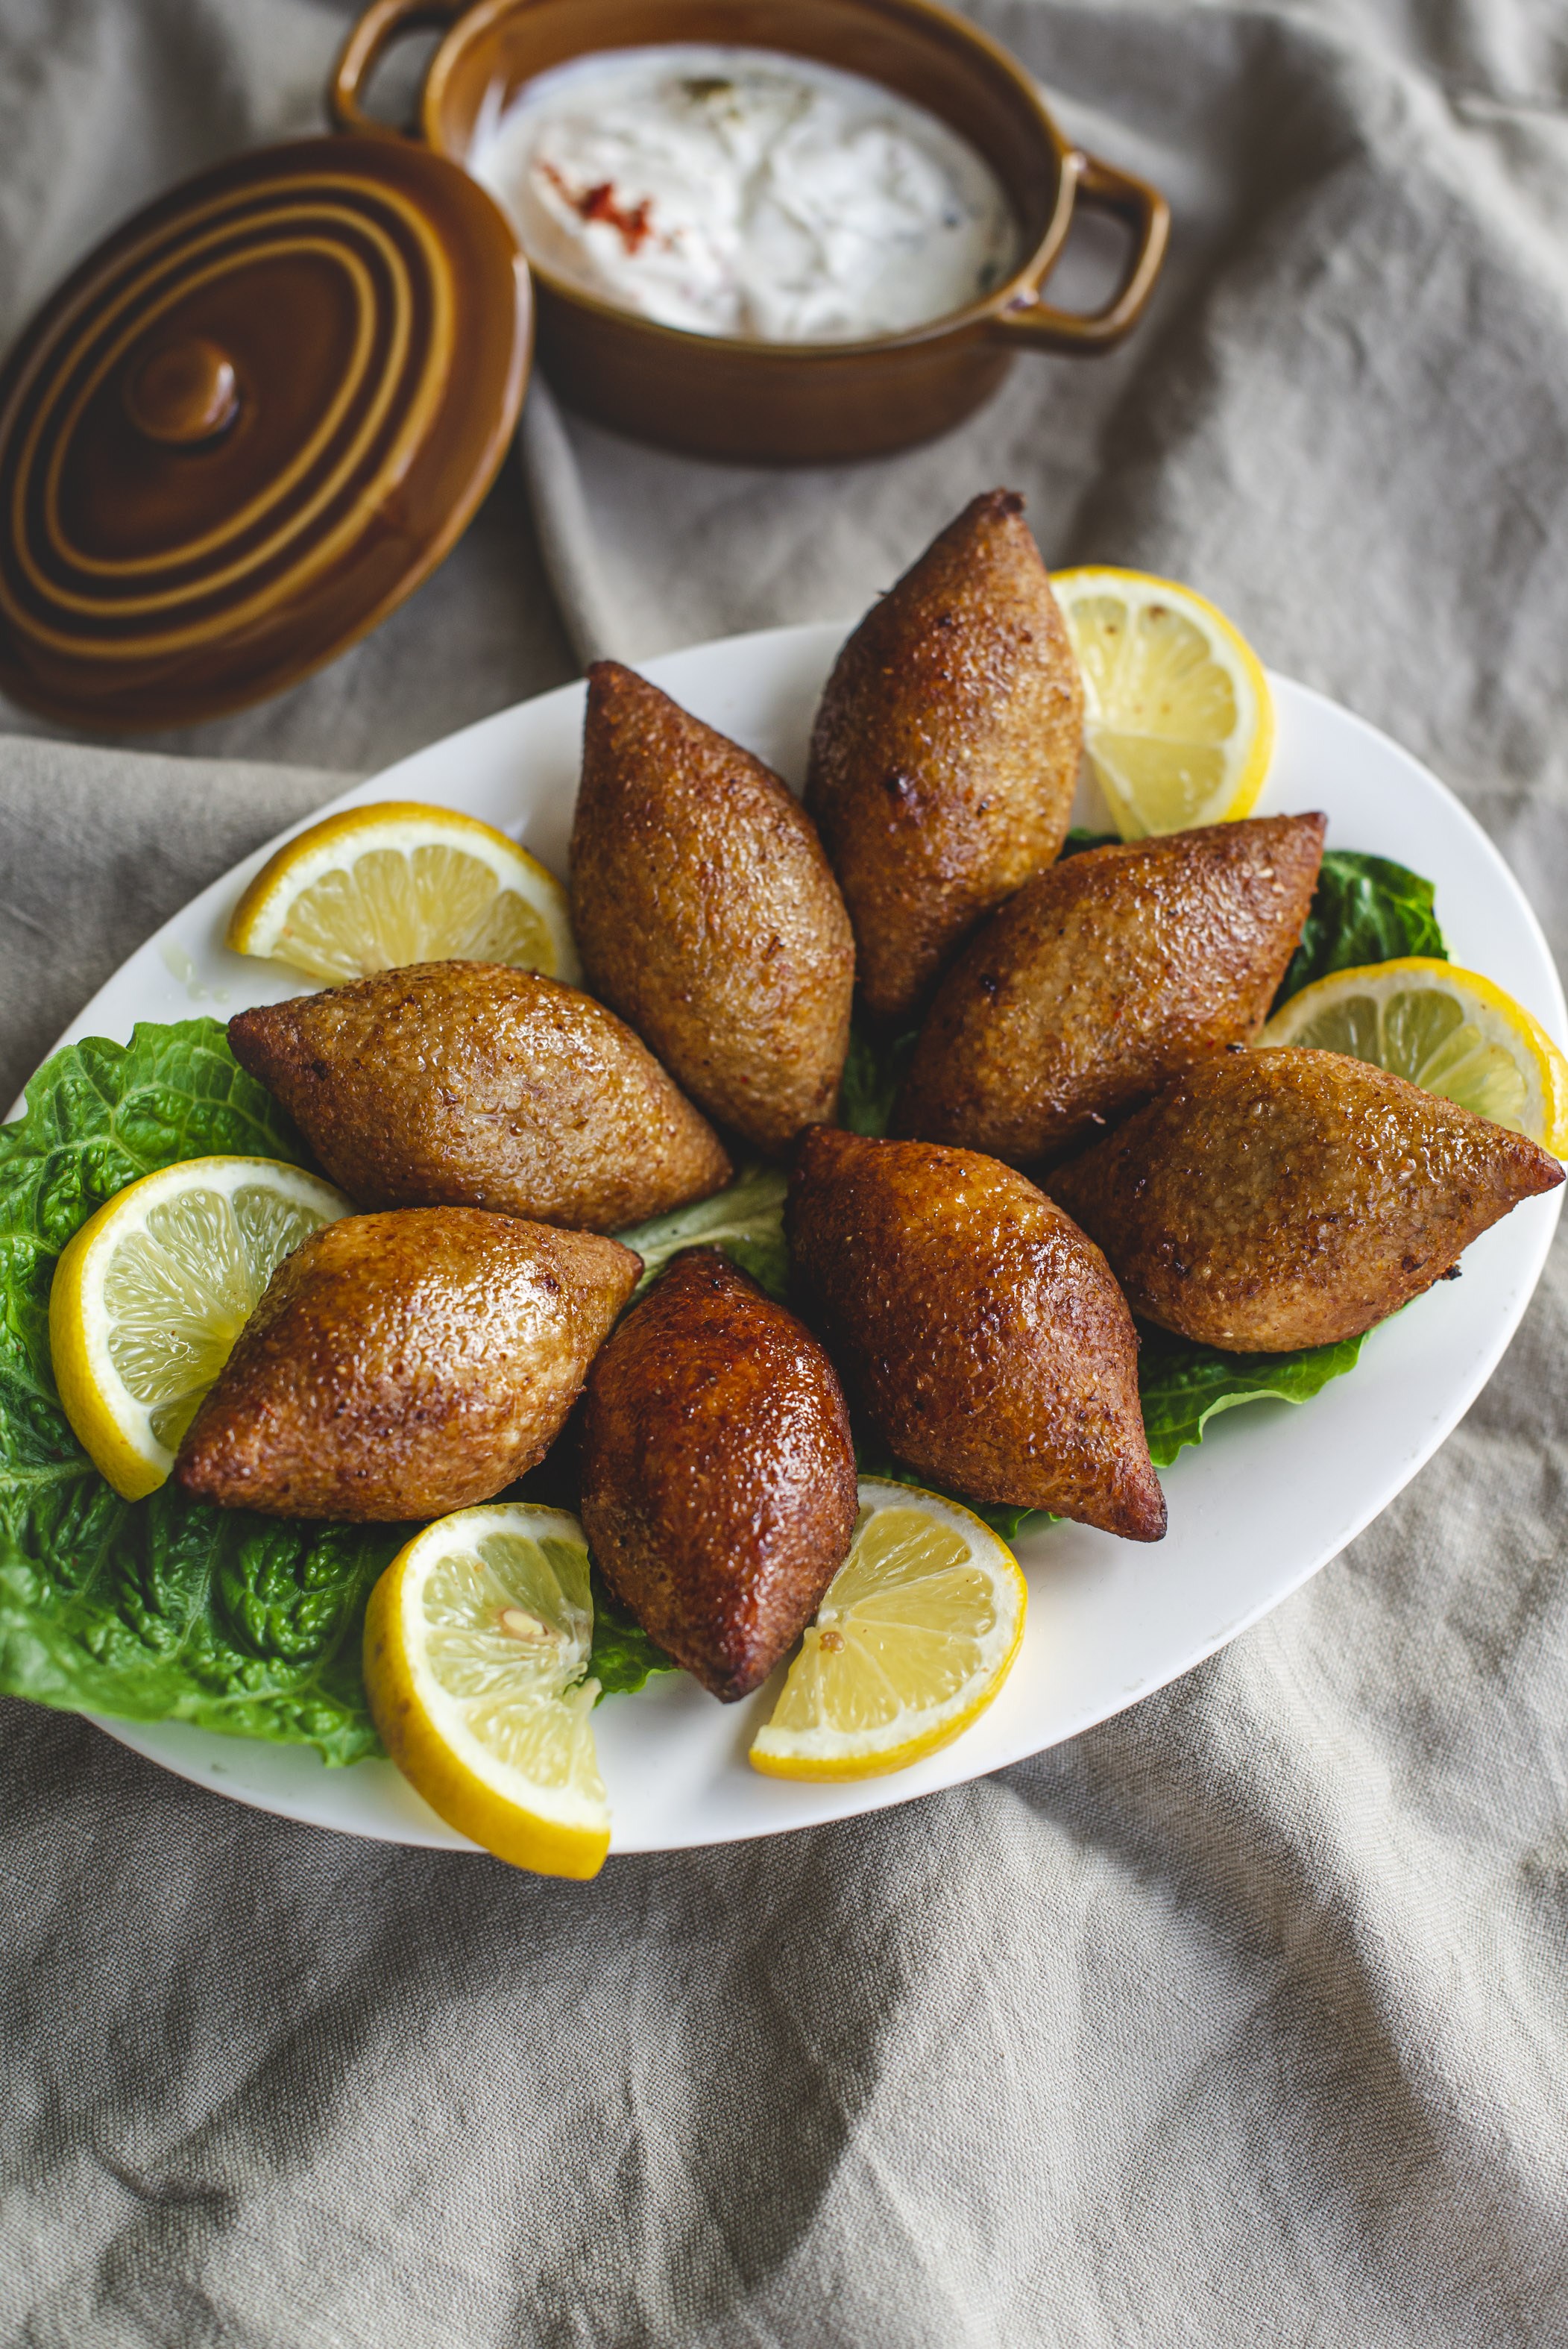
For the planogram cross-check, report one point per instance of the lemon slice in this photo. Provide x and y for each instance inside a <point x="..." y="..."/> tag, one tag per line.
<point x="150" y="1295"/>
<point x="1449" y="1031"/>
<point x="476" y="1642"/>
<point x="376" y="887"/>
<point x="917" y="1633"/>
<point x="1177" y="717"/>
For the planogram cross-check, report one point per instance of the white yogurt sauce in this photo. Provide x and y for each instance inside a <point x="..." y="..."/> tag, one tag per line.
<point x="742" y="192"/>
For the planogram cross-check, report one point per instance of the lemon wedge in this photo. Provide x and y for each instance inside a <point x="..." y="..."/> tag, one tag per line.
<point x="1177" y="717"/>
<point x="476" y="1642"/>
<point x="379" y="886"/>
<point x="917" y="1633"/>
<point x="1450" y="1031"/>
<point x="150" y="1295"/>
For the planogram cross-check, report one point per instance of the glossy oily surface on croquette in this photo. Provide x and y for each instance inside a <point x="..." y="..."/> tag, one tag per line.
<point x="471" y="1085"/>
<point x="1097" y="979"/>
<point x="705" y="913"/>
<point x="978" y="1328"/>
<point x="944" y="753"/>
<point x="719" y="1474"/>
<point x="1271" y="1495"/>
<point x="402" y="1365"/>
<point x="1270" y="1200"/>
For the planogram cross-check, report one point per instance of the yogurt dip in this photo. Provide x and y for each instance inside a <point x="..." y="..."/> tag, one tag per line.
<point x="743" y="192"/>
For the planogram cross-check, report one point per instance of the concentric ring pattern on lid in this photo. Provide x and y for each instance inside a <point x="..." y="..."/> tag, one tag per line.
<point x="248" y="425"/>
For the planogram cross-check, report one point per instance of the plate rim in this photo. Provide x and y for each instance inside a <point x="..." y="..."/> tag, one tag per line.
<point x="873" y="1794"/>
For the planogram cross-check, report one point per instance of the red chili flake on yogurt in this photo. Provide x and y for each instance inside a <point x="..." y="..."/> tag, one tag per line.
<point x="634" y="227"/>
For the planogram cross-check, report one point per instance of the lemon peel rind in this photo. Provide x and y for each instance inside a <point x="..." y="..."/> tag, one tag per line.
<point x="434" y="1767"/>
<point x="773" y="1758"/>
<point x="1549" y="1065"/>
<point x="98" y="1404"/>
<point x="256" y="921"/>
<point x="773" y="1763"/>
<point x="1244" y="790"/>
<point x="132" y="1472"/>
<point x="255" y="928"/>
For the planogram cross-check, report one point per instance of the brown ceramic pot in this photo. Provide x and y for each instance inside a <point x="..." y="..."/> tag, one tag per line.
<point x="786" y="403"/>
<point x="247" y="426"/>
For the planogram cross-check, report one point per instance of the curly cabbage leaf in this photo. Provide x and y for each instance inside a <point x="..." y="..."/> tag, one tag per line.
<point x="169" y="1609"/>
<point x="1365" y="909"/>
<point x="163" y="1610"/>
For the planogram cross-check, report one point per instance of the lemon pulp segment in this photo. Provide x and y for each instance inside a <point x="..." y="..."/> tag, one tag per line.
<point x="917" y="1632"/>
<point x="1177" y="717"/>
<point x="1450" y="1031"/>
<point x="148" y="1298"/>
<point x="477" y="1640"/>
<point x="378" y="887"/>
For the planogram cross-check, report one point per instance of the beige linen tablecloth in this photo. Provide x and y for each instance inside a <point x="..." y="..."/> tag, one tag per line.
<point x="1238" y="2020"/>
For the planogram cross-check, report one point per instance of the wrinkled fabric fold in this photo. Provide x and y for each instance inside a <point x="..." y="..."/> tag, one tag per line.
<point x="1238" y="2020"/>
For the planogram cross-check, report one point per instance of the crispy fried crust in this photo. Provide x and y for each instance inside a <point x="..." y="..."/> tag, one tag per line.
<point x="944" y="755"/>
<point x="1274" y="1199"/>
<point x="719" y="1476"/>
<point x="470" y="1084"/>
<point x="976" y="1326"/>
<point x="1099" y="978"/>
<point x="707" y="913"/>
<point x="402" y="1365"/>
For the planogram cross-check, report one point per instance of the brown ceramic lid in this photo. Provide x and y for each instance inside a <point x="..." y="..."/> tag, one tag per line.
<point x="248" y="425"/>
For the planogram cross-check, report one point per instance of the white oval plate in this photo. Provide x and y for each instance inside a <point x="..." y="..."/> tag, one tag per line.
<point x="1273" y="1495"/>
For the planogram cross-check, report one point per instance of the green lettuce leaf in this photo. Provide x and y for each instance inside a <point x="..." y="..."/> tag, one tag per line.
<point x="168" y="1609"/>
<point x="623" y="1656"/>
<point x="873" y="1070"/>
<point x="1183" y="1385"/>
<point x="872" y="1459"/>
<point x="1365" y="909"/>
<point x="162" y="1610"/>
<point x="747" y="1222"/>
<point x="99" y="1116"/>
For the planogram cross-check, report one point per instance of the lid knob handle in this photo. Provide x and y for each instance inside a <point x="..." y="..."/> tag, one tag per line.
<point x="184" y="393"/>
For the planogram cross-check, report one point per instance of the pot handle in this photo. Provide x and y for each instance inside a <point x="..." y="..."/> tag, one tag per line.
<point x="1034" y="324"/>
<point x="384" y="22"/>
